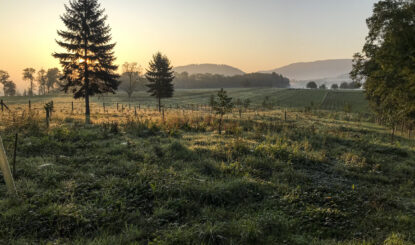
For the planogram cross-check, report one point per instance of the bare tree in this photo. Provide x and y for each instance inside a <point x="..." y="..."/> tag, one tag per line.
<point x="130" y="78"/>
<point x="28" y="74"/>
<point x="41" y="80"/>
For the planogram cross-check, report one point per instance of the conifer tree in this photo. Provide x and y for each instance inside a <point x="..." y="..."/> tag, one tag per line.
<point x="222" y="106"/>
<point x="160" y="75"/>
<point x="88" y="67"/>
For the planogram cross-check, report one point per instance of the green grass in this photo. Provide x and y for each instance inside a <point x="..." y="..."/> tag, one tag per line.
<point x="321" y="177"/>
<point x="292" y="98"/>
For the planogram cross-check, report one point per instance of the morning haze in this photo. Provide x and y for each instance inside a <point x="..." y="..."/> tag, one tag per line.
<point x="249" y="35"/>
<point x="214" y="122"/>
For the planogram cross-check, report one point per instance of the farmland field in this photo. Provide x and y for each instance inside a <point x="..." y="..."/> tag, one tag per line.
<point x="280" y="175"/>
<point x="287" y="98"/>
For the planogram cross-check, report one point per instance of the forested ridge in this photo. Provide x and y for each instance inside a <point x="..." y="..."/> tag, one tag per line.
<point x="184" y="80"/>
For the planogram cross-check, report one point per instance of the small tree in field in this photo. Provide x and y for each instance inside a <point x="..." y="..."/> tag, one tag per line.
<point x="242" y="105"/>
<point x="239" y="106"/>
<point x="246" y="103"/>
<point x="160" y="75"/>
<point x="88" y="64"/>
<point x="222" y="106"/>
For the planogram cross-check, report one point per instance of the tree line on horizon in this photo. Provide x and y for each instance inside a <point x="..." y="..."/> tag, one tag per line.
<point x="44" y="81"/>
<point x="185" y="81"/>
<point x="343" y="85"/>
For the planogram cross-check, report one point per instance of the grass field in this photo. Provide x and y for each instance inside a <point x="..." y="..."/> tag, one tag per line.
<point x="287" y="98"/>
<point x="322" y="176"/>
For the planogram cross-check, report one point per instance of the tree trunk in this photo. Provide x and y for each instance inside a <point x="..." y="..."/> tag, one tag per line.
<point x="5" y="168"/>
<point x="393" y="134"/>
<point x="159" y="104"/>
<point x="220" y="124"/>
<point x="31" y="87"/>
<point x="87" y="110"/>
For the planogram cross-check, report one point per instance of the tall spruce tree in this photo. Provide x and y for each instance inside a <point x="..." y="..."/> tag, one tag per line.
<point x="88" y="67"/>
<point x="160" y="75"/>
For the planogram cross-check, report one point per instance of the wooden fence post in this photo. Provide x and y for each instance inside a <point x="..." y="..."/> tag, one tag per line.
<point x="5" y="168"/>
<point x="14" y="155"/>
<point x="163" y="114"/>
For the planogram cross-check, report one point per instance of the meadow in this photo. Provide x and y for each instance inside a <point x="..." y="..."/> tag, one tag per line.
<point x="311" y="167"/>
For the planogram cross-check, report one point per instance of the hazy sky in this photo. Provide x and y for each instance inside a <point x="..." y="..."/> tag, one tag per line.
<point x="249" y="34"/>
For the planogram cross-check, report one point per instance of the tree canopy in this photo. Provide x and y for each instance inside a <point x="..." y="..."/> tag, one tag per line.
<point x="131" y="78"/>
<point x="9" y="87"/>
<point x="160" y="75"/>
<point x="386" y="64"/>
<point x="88" y="67"/>
<point x="52" y="77"/>
<point x="312" y="85"/>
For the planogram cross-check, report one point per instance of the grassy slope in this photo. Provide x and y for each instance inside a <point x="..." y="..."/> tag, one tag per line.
<point x="319" y="178"/>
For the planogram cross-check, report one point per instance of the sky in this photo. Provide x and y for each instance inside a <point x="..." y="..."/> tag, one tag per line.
<point x="251" y="35"/>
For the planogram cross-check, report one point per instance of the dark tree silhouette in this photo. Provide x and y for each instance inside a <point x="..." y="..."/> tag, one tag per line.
<point x="9" y="87"/>
<point x="312" y="85"/>
<point x="160" y="75"/>
<point x="52" y="78"/>
<point x="88" y="67"/>
<point x="386" y="66"/>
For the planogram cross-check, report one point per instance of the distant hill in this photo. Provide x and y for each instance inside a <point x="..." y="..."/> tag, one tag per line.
<point x="315" y="70"/>
<point x="224" y="70"/>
